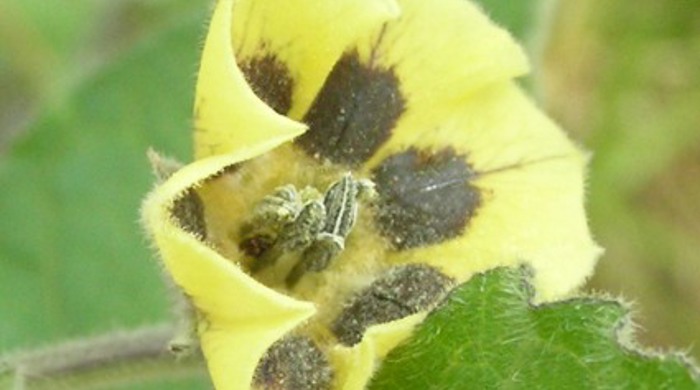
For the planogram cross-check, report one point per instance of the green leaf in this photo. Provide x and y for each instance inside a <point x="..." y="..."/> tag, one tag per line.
<point x="488" y="334"/>
<point x="73" y="257"/>
<point x="638" y="99"/>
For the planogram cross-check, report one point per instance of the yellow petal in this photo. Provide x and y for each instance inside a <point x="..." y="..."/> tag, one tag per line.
<point x="355" y="365"/>
<point x="443" y="50"/>
<point x="530" y="179"/>
<point x="228" y="115"/>
<point x="424" y="63"/>
<point x="240" y="318"/>
<point x="233" y="353"/>
<point x="304" y="38"/>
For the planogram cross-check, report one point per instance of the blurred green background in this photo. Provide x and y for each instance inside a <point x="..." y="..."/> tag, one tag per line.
<point x="86" y="87"/>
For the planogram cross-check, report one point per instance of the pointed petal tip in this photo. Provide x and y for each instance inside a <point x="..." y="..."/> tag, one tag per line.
<point x="228" y="114"/>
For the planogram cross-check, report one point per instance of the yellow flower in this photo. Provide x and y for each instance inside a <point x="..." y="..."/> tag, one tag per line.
<point x="416" y="96"/>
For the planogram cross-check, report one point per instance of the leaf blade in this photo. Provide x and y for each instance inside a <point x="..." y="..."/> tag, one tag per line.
<point x="489" y="335"/>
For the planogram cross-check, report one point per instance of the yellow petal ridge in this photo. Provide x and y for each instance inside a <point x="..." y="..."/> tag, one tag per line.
<point x="240" y="318"/>
<point x="228" y="115"/>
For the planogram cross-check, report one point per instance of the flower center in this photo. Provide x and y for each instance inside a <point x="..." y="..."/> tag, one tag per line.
<point x="315" y="232"/>
<point x="304" y="227"/>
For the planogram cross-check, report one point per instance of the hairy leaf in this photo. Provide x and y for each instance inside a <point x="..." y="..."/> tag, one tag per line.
<point x="488" y="334"/>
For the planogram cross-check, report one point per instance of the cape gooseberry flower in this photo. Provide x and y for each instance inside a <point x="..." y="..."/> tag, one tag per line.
<point x="355" y="159"/>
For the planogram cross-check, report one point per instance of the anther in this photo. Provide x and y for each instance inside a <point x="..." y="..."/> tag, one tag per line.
<point x="301" y="221"/>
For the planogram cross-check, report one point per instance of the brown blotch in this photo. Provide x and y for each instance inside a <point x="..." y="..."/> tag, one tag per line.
<point x="188" y="210"/>
<point x="293" y="363"/>
<point x="424" y="197"/>
<point x="354" y="113"/>
<point x="271" y="81"/>
<point x="402" y="291"/>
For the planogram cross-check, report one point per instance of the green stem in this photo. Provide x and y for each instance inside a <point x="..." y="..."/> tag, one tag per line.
<point x="108" y="361"/>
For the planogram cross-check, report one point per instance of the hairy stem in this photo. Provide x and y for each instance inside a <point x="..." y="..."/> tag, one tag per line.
<point x="117" y="359"/>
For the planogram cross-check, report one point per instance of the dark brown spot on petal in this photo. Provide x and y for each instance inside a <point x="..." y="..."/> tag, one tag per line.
<point x="270" y="80"/>
<point x="354" y="113"/>
<point x="188" y="210"/>
<point x="402" y="291"/>
<point x="293" y="363"/>
<point x="424" y="197"/>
